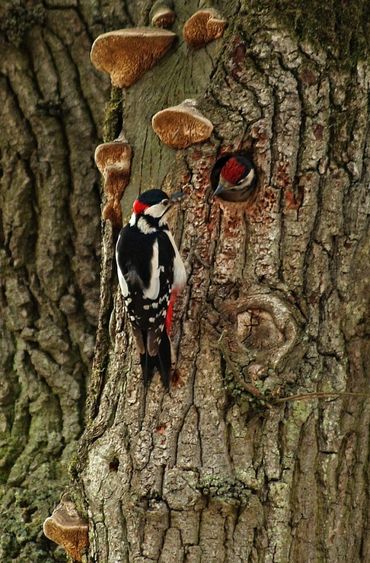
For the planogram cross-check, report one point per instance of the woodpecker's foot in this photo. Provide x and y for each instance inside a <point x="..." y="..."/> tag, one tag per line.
<point x="201" y="261"/>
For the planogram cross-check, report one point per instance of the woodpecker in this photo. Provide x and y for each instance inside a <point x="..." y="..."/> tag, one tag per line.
<point x="234" y="177"/>
<point x="151" y="273"/>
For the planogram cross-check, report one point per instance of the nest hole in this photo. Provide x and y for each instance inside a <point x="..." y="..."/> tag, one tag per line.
<point x="234" y="178"/>
<point x="114" y="464"/>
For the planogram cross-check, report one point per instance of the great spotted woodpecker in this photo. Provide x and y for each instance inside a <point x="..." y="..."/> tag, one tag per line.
<point x="234" y="177"/>
<point x="151" y="273"/>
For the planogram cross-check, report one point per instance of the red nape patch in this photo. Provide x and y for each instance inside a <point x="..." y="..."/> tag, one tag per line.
<point x="168" y="321"/>
<point x="233" y="171"/>
<point x="139" y="207"/>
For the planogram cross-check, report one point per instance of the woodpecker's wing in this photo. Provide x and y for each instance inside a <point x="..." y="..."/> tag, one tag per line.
<point x="138" y="262"/>
<point x="145" y="264"/>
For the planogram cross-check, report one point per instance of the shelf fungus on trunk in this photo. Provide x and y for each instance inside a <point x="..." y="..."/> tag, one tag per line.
<point x="203" y="27"/>
<point x="114" y="163"/>
<point x="66" y="528"/>
<point x="181" y="126"/>
<point x="126" y="54"/>
<point x="162" y="14"/>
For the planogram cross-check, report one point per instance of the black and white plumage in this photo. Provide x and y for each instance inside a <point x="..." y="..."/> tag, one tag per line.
<point x="150" y="269"/>
<point x="234" y="177"/>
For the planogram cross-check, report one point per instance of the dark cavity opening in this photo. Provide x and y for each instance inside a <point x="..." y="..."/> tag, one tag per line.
<point x="114" y="464"/>
<point x="234" y="177"/>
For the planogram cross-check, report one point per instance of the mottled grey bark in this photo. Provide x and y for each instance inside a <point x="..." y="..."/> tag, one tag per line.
<point x="52" y="105"/>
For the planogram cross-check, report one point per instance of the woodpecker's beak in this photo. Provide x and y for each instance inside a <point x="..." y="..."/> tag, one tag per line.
<point x="218" y="190"/>
<point x="176" y="197"/>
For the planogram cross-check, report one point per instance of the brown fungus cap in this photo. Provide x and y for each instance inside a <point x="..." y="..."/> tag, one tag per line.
<point x="114" y="163"/>
<point x="66" y="528"/>
<point x="116" y="154"/>
<point x="112" y="212"/>
<point x="203" y="27"/>
<point x="126" y="54"/>
<point x="162" y="13"/>
<point x="181" y="126"/>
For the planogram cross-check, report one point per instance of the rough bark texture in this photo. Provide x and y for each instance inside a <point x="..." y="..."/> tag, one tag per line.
<point x="52" y="106"/>
<point x="276" y="299"/>
<point x="276" y="295"/>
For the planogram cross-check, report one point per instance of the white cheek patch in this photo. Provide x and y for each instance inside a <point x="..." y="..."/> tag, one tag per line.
<point x="156" y="210"/>
<point x="248" y="180"/>
<point x="163" y="221"/>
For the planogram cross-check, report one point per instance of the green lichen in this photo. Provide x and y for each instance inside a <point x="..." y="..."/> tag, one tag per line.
<point x="113" y="116"/>
<point x="247" y="396"/>
<point x="73" y="466"/>
<point x="224" y="489"/>
<point x="339" y="27"/>
<point x="18" y="17"/>
<point x="23" y="513"/>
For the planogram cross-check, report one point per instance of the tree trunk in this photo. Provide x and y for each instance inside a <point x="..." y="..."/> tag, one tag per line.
<point x="222" y="468"/>
<point x="237" y="463"/>
<point x="52" y="114"/>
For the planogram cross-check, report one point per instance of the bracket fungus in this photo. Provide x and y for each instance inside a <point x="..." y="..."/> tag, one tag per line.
<point x="114" y="163"/>
<point x="66" y="528"/>
<point x="181" y="126"/>
<point x="162" y="13"/>
<point x="203" y="27"/>
<point x="126" y="54"/>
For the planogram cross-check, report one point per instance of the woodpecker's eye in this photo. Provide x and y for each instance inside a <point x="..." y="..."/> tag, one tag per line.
<point x="165" y="201"/>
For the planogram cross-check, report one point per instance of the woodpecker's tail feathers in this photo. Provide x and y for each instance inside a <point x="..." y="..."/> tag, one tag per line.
<point x="160" y="360"/>
<point x="148" y="365"/>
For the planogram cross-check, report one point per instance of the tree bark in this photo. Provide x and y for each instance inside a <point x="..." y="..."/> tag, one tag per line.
<point x="221" y="468"/>
<point x="275" y="303"/>
<point x="52" y="105"/>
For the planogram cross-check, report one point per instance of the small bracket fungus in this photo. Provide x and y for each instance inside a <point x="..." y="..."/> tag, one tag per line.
<point x="181" y="126"/>
<point x="162" y="14"/>
<point x="203" y="27"/>
<point x="114" y="163"/>
<point x="66" y="528"/>
<point x="234" y="178"/>
<point x="126" y="54"/>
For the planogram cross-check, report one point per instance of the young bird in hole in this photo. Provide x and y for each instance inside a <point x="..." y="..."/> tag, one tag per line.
<point x="151" y="273"/>
<point x="234" y="177"/>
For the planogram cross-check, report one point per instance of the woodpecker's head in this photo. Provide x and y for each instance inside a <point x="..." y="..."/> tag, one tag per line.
<point x="155" y="203"/>
<point x="237" y="178"/>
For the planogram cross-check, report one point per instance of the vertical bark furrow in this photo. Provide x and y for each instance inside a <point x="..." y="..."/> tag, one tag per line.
<point x="53" y="112"/>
